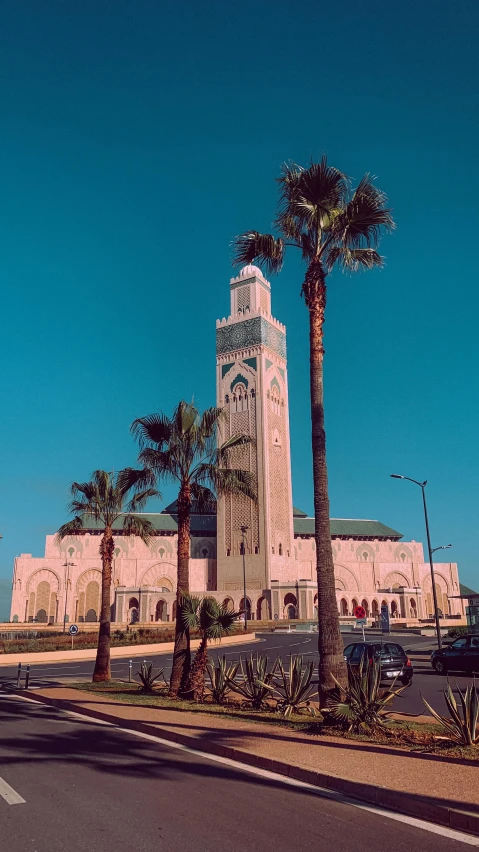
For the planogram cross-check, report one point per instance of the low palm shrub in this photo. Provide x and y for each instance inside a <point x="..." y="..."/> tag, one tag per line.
<point x="255" y="680"/>
<point x="462" y="728"/>
<point x="363" y="704"/>
<point x="221" y="675"/>
<point x="148" y="679"/>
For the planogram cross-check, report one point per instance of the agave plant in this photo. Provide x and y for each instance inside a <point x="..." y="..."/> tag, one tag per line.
<point x="148" y="679"/>
<point x="363" y="704"/>
<point x="462" y="729"/>
<point x="221" y="676"/>
<point x="294" y="687"/>
<point x="255" y="680"/>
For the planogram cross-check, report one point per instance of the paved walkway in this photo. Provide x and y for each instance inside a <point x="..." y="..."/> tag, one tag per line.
<point x="430" y="787"/>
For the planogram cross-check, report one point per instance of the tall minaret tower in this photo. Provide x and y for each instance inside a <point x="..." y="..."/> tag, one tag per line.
<point x="252" y="385"/>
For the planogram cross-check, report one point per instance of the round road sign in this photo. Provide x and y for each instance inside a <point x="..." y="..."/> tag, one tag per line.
<point x="359" y="612"/>
<point x="73" y="630"/>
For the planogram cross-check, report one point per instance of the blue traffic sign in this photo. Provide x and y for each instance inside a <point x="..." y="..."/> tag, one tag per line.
<point x="73" y="629"/>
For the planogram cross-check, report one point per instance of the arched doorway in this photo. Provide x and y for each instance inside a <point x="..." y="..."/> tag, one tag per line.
<point x="343" y="606"/>
<point x="394" y="609"/>
<point x="354" y="604"/>
<point x="91" y="615"/>
<point x="42" y="617"/>
<point x="133" y="611"/>
<point x="228" y="603"/>
<point x="290" y="606"/>
<point x="375" y="609"/>
<point x="247" y="607"/>
<point x="365" y="606"/>
<point x="161" y="611"/>
<point x="262" y="609"/>
<point x="412" y="608"/>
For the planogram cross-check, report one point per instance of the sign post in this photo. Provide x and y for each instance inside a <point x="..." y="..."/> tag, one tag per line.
<point x="385" y="626"/>
<point x="361" y="620"/>
<point x="73" y="630"/>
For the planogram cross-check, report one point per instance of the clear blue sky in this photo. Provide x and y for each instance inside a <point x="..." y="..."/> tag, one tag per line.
<point x="137" y="138"/>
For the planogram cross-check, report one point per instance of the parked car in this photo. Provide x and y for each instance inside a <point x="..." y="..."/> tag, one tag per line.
<point x="461" y="656"/>
<point x="395" y="663"/>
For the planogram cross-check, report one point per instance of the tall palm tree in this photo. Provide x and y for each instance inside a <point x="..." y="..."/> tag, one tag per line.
<point x="105" y="499"/>
<point x="213" y="620"/>
<point x="185" y="449"/>
<point x="332" y="226"/>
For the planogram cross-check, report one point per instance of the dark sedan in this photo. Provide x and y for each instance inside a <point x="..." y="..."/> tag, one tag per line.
<point x="461" y="656"/>
<point x="395" y="663"/>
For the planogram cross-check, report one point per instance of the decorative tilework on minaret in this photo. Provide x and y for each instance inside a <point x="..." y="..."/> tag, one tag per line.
<point x="252" y="387"/>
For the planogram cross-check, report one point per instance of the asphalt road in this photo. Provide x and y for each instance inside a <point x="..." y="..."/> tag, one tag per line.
<point x="80" y="786"/>
<point x="425" y="681"/>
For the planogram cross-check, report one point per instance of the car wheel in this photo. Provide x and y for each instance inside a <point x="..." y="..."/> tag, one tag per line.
<point x="440" y="667"/>
<point x="406" y="681"/>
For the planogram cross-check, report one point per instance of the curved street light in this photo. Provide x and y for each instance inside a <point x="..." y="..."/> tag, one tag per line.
<point x="422" y="486"/>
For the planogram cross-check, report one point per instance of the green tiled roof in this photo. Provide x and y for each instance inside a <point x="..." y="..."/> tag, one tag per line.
<point x="165" y="523"/>
<point x="298" y="513"/>
<point x="348" y="528"/>
<point x="204" y="524"/>
<point x="466" y="592"/>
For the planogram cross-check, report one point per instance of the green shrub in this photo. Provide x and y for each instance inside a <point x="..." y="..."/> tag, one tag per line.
<point x="461" y="729"/>
<point x="221" y="677"/>
<point x="148" y="679"/>
<point x="456" y="632"/>
<point x="255" y="680"/>
<point x="363" y="704"/>
<point x="294" y="687"/>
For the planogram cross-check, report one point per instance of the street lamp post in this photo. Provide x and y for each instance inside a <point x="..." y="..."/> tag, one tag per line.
<point x="422" y="486"/>
<point x="67" y="565"/>
<point x="244" y="530"/>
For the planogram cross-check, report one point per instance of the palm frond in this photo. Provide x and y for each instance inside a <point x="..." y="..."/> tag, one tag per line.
<point x="234" y="481"/>
<point x="72" y="527"/>
<point x="152" y="429"/>
<point x="138" y="501"/>
<point x="204" y="498"/>
<point x="363" y="218"/>
<point x="253" y="247"/>
<point x="142" y="527"/>
<point x="184" y="417"/>
<point x="352" y="259"/>
<point x="131" y="478"/>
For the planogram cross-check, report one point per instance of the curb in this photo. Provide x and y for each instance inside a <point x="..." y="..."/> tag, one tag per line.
<point x="116" y="652"/>
<point x="371" y="794"/>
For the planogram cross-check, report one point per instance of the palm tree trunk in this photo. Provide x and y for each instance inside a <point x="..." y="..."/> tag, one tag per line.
<point x="182" y="654"/>
<point x="196" y="680"/>
<point x="330" y="645"/>
<point x="102" y="665"/>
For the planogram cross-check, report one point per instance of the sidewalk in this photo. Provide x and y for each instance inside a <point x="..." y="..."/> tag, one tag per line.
<point x="381" y="775"/>
<point x="118" y="651"/>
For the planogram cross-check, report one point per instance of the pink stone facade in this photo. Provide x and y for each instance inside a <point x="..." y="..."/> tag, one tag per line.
<point x="373" y="566"/>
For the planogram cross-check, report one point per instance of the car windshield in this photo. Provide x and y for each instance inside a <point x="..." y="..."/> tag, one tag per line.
<point x="388" y="649"/>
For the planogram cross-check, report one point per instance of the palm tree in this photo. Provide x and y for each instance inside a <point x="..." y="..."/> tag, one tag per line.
<point x="184" y="449"/>
<point x="213" y="621"/>
<point x="105" y="499"/>
<point x="333" y="226"/>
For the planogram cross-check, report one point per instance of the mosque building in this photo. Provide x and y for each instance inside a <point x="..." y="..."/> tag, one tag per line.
<point x="373" y="566"/>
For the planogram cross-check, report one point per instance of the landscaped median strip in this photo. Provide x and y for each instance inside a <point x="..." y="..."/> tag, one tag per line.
<point x="119" y="651"/>
<point x="459" y="816"/>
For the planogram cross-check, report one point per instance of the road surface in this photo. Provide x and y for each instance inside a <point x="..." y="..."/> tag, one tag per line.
<point x="425" y="681"/>
<point x="79" y="786"/>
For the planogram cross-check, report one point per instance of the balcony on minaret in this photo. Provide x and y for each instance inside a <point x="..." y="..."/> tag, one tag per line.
<point x="250" y="292"/>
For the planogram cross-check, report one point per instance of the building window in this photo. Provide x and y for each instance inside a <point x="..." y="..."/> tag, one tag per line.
<point x="256" y="550"/>
<point x="228" y="552"/>
<point x="280" y="550"/>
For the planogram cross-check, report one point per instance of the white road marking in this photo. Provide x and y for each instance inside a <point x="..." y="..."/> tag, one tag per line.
<point x="459" y="836"/>
<point x="9" y="794"/>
